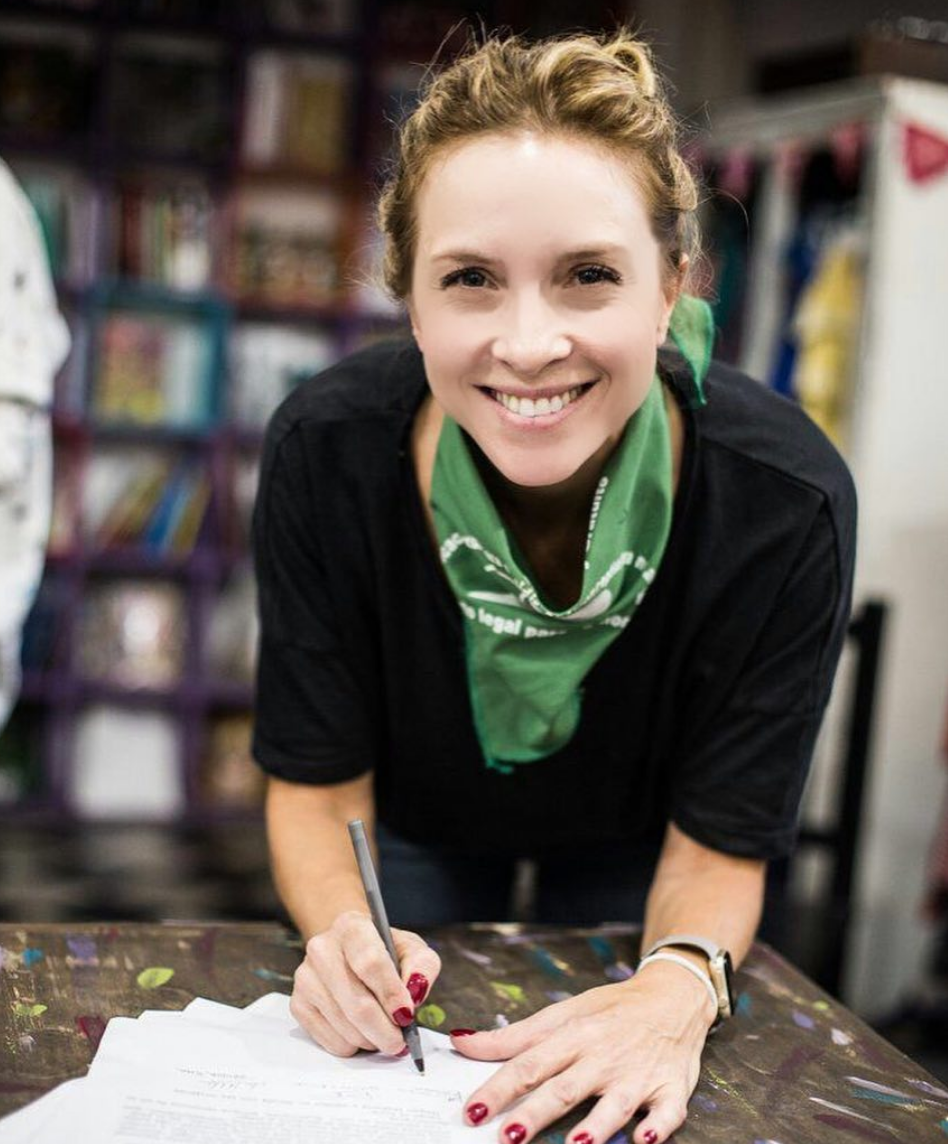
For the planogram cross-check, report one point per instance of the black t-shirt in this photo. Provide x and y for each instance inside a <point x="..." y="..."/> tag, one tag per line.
<point x="704" y="710"/>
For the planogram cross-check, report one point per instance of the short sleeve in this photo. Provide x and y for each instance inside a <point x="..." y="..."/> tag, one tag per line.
<point x="739" y="773"/>
<point x="314" y="706"/>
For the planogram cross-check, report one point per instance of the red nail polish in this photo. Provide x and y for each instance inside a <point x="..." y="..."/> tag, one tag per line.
<point x="402" y="1051"/>
<point x="651" y="1136"/>
<point x="403" y="1017"/>
<point x="463" y="1032"/>
<point x="417" y="986"/>
<point x="515" y="1133"/>
<point x="476" y="1112"/>
<point x="583" y="1138"/>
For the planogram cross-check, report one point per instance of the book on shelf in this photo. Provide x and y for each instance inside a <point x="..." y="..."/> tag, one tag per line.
<point x="170" y="97"/>
<point x="159" y="507"/>
<point x="228" y="777"/>
<point x="65" y="204"/>
<point x="245" y="478"/>
<point x="233" y="630"/>
<point x="132" y="633"/>
<point x="286" y="246"/>
<point x="67" y="495"/>
<point x="47" y="81"/>
<point x="266" y="361"/>
<point x="153" y="369"/>
<point x="126" y="764"/>
<point x="298" y="112"/>
<point x="164" y="234"/>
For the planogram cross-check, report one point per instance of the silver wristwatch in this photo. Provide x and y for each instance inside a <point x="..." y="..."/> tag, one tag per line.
<point x="720" y="969"/>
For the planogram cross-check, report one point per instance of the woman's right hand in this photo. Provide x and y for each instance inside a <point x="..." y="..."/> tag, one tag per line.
<point x="347" y="993"/>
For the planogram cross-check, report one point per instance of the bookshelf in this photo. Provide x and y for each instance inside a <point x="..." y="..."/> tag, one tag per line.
<point x="204" y="172"/>
<point x="201" y="180"/>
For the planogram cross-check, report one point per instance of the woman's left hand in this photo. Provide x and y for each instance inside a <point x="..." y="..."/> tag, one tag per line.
<point x="635" y="1045"/>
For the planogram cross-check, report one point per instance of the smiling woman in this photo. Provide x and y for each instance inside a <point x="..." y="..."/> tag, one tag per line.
<point x="536" y="583"/>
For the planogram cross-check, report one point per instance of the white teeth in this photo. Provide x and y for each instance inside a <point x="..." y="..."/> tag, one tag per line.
<point x="528" y="407"/>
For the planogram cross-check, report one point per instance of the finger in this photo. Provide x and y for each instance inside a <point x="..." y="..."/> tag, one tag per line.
<point x="503" y="1044"/>
<point x="420" y="965"/>
<point x="368" y="988"/>
<point x="321" y="1031"/>
<point x="311" y="996"/>
<point x="666" y="1114"/>
<point x="553" y="1099"/>
<point x="520" y="1076"/>
<point x="611" y="1113"/>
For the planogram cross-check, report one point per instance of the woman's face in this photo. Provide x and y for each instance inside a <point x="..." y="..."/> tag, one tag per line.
<point x="537" y="299"/>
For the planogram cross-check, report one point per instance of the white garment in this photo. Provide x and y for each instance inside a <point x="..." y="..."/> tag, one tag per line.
<point x="34" y="341"/>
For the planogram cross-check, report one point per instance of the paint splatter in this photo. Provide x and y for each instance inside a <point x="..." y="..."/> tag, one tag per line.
<point x="500" y="1021"/>
<point x="822" y="1006"/>
<point x="559" y="995"/>
<point x="887" y="1098"/>
<point x="31" y="956"/>
<point x="92" y="1028"/>
<point x="924" y="1086"/>
<point x="271" y="975"/>
<point x="25" y="1009"/>
<point x="6" y="959"/>
<point x="603" y="949"/>
<point x="508" y="992"/>
<point x="841" y="1038"/>
<point x="83" y="950"/>
<point x="848" y="1124"/>
<point x="431" y="1015"/>
<point x="803" y="1020"/>
<point x="944" y="1126"/>
<point x="705" y="1103"/>
<point x="842" y="1108"/>
<point x="619" y="972"/>
<point x="551" y="965"/>
<point x="26" y="1042"/>
<point x="477" y="958"/>
<point x="874" y="1086"/>
<point x="154" y="977"/>
<point x="744" y="1005"/>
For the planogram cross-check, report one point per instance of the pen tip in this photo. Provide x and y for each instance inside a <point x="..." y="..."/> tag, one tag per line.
<point x="420" y="1066"/>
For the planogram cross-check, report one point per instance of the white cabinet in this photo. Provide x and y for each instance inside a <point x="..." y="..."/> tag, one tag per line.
<point x="895" y="437"/>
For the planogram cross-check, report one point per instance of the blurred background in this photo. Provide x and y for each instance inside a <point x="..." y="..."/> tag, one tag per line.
<point x="204" y="171"/>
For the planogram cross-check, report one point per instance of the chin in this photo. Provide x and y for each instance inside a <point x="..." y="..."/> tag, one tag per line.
<point x="530" y="469"/>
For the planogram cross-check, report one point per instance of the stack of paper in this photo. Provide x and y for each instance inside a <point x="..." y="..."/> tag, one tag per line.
<point x="212" y="1074"/>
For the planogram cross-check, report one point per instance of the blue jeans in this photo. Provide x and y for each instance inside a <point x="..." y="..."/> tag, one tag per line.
<point x="424" y="886"/>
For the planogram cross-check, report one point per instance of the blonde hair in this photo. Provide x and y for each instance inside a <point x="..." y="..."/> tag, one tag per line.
<point x="600" y="89"/>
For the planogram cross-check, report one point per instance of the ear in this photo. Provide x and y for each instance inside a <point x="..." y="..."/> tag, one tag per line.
<point x="671" y="290"/>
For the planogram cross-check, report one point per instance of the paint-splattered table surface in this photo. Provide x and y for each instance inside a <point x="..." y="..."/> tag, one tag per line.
<point x="792" y="1067"/>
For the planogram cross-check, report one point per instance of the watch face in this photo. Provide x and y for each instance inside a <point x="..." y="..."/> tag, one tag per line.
<point x="729" y="980"/>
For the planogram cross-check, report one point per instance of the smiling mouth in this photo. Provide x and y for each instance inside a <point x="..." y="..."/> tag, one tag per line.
<point x="540" y="406"/>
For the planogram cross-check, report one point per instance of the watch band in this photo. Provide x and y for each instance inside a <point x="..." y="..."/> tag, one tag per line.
<point x="691" y="967"/>
<point x="689" y="941"/>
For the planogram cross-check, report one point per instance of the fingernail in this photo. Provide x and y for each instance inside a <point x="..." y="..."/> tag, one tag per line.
<point x="402" y="1051"/>
<point x="651" y="1136"/>
<point x="417" y="987"/>
<point x="476" y="1112"/>
<point x="515" y="1133"/>
<point x="583" y="1138"/>
<point x="403" y="1017"/>
<point x="463" y="1032"/>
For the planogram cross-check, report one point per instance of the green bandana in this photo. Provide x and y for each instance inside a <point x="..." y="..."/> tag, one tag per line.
<point x="526" y="661"/>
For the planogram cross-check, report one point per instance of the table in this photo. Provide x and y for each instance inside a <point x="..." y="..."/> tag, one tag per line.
<point x="793" y="1066"/>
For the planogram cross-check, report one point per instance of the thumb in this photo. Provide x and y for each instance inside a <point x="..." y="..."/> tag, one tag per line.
<point x="419" y="965"/>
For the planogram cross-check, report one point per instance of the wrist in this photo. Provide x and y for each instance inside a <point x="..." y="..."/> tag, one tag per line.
<point x="675" y="980"/>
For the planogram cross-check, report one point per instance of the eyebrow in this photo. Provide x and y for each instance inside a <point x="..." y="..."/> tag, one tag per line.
<point x="606" y="250"/>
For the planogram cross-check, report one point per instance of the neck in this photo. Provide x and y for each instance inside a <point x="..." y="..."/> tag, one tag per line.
<point x="545" y="507"/>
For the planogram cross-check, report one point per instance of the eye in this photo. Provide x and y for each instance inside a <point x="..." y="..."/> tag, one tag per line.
<point x="469" y="276"/>
<point x="596" y="275"/>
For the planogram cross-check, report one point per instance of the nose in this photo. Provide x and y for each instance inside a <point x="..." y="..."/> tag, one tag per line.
<point x="531" y="335"/>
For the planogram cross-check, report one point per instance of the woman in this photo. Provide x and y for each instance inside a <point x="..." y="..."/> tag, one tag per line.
<point x="529" y="588"/>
